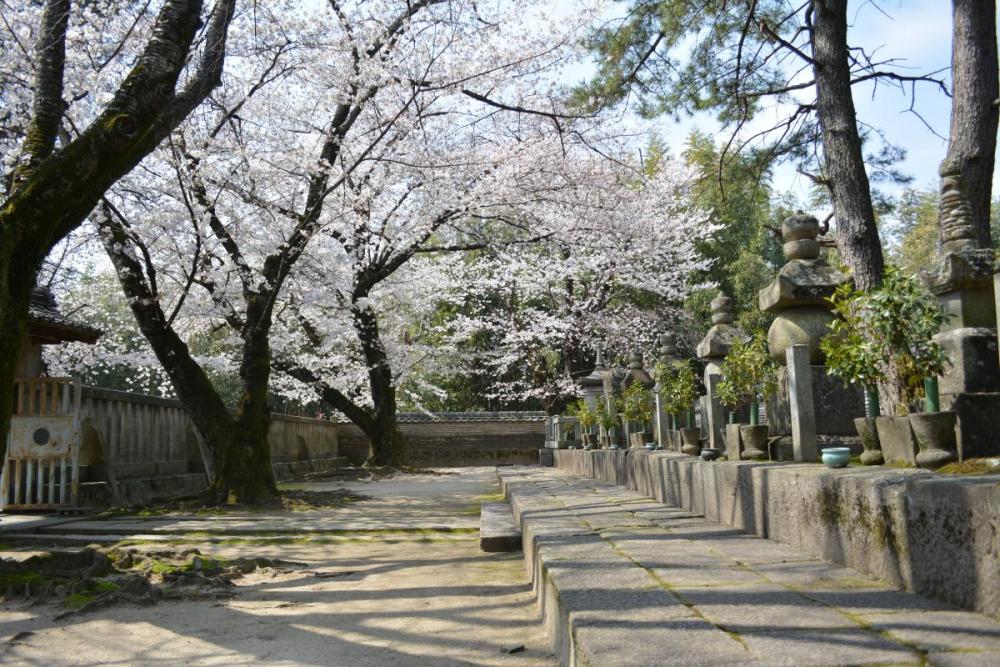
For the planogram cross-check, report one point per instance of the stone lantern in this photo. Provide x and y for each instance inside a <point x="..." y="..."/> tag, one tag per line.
<point x="713" y="349"/>
<point x="962" y="280"/>
<point x="798" y="299"/>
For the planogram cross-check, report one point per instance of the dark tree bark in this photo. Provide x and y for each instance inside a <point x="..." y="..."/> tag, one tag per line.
<point x="845" y="173"/>
<point x="240" y="453"/>
<point x="974" y="111"/>
<point x="54" y="191"/>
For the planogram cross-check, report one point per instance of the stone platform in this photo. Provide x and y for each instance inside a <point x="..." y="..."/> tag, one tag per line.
<point x="622" y="579"/>
<point x="925" y="532"/>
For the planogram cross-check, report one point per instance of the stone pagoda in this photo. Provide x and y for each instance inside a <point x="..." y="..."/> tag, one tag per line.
<point x="798" y="299"/>
<point x="713" y="349"/>
<point x="962" y="280"/>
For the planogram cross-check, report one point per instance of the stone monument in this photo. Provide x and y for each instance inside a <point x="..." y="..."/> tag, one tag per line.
<point x="962" y="280"/>
<point x="797" y="297"/>
<point x="713" y="348"/>
<point x="666" y="358"/>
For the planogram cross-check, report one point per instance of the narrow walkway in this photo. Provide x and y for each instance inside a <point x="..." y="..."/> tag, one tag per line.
<point x="626" y="580"/>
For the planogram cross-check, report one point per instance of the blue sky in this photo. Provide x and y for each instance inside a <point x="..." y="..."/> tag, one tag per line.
<point x="918" y="33"/>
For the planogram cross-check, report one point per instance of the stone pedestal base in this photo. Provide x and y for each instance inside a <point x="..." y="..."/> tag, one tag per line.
<point x="836" y="405"/>
<point x="978" y="420"/>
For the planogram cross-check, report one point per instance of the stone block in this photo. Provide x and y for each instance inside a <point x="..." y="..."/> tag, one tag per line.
<point x="497" y="529"/>
<point x="837" y="405"/>
<point x="733" y="442"/>
<point x="974" y="365"/>
<point x="978" y="416"/>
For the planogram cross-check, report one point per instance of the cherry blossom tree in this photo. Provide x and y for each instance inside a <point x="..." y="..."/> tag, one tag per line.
<point x="609" y="281"/>
<point x="345" y="140"/>
<point x="87" y="93"/>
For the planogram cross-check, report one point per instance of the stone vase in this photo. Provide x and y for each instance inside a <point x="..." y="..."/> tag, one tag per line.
<point x="895" y="437"/>
<point x="754" y="442"/>
<point x="872" y="456"/>
<point x="935" y="434"/>
<point x="692" y="441"/>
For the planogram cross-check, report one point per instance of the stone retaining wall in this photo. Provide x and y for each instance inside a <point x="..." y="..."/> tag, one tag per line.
<point x="932" y="534"/>
<point x="459" y="440"/>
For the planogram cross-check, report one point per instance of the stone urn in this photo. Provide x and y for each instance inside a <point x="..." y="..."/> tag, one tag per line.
<point x="936" y="439"/>
<point x="754" y="442"/>
<point x="691" y="438"/>
<point x="872" y="456"/>
<point x="895" y="438"/>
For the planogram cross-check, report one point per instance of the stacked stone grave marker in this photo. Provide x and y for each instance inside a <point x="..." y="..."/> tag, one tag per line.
<point x="713" y="349"/>
<point x="963" y="281"/>
<point x="636" y="373"/>
<point x="667" y="357"/>
<point x="797" y="297"/>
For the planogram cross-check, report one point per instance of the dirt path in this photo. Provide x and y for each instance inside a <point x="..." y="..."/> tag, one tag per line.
<point x="417" y="598"/>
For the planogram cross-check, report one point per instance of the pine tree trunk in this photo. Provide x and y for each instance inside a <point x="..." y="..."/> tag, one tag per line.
<point x="858" y="238"/>
<point x="974" y="111"/>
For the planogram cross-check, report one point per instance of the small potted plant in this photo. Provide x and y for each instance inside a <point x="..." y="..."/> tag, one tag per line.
<point x="636" y="407"/>
<point x="608" y="420"/>
<point x="749" y="376"/>
<point x="588" y="420"/>
<point x="680" y="391"/>
<point x="853" y="356"/>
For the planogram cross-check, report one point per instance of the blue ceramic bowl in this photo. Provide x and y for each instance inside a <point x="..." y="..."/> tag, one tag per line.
<point x="836" y="457"/>
<point x="650" y="446"/>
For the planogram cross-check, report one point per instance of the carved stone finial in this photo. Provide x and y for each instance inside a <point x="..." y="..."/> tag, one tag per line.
<point x="722" y="309"/>
<point x="957" y="228"/>
<point x="799" y="233"/>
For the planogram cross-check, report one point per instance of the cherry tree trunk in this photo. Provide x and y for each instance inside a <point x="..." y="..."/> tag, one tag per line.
<point x="388" y="448"/>
<point x="243" y="467"/>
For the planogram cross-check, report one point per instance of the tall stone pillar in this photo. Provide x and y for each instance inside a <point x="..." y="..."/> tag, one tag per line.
<point x="962" y="280"/>
<point x="713" y="349"/>
<point x="797" y="297"/>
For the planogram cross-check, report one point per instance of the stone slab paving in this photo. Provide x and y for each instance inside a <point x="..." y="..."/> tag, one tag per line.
<point x="437" y="501"/>
<point x="623" y="580"/>
<point x="382" y="599"/>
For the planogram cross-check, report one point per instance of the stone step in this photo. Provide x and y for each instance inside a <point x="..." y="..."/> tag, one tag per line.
<point x="497" y="529"/>
<point x="624" y="580"/>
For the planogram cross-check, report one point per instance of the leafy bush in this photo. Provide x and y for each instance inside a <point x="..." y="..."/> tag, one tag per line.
<point x="678" y="388"/>
<point x="636" y="404"/>
<point x="748" y="373"/>
<point x="886" y="334"/>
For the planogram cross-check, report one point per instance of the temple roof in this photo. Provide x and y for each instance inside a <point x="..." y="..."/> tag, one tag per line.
<point x="45" y="322"/>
